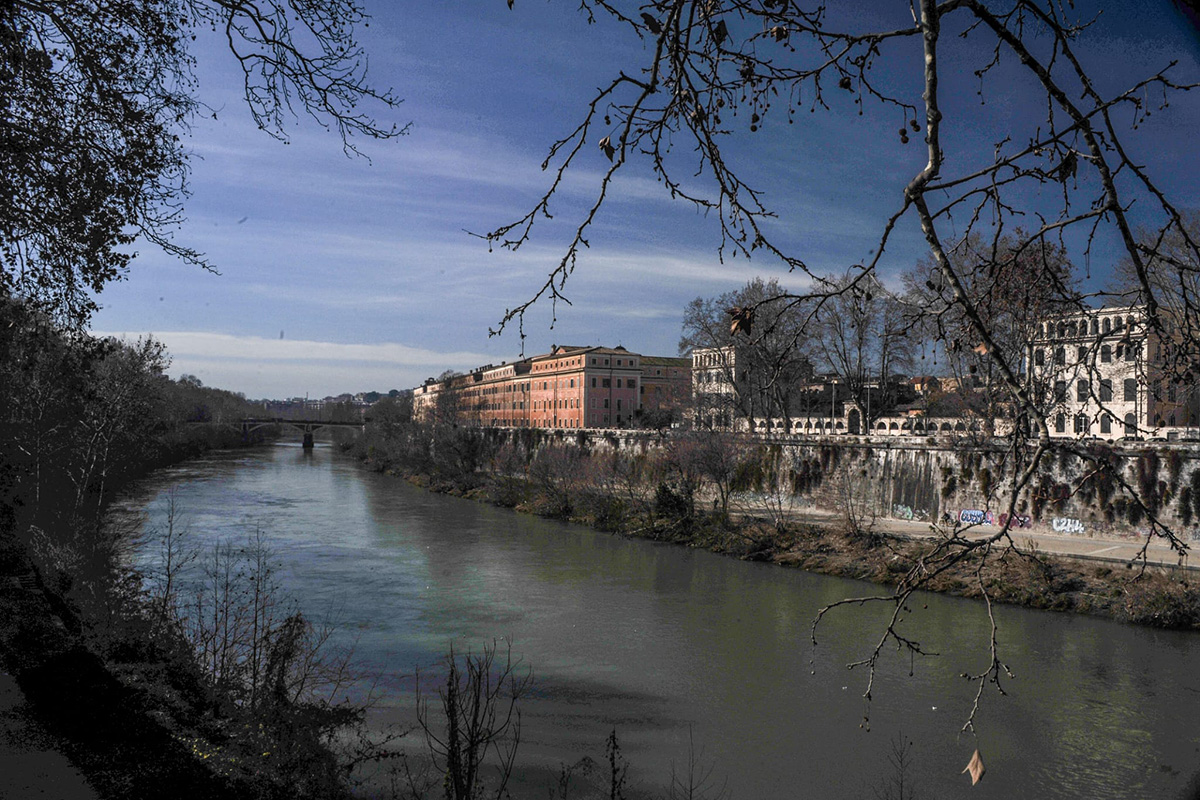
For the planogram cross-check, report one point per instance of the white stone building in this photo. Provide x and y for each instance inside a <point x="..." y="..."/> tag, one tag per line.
<point x="1100" y="373"/>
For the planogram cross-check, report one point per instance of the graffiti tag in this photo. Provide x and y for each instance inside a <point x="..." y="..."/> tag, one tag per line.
<point x="902" y="511"/>
<point x="973" y="516"/>
<point x="1016" y="520"/>
<point x="1067" y="525"/>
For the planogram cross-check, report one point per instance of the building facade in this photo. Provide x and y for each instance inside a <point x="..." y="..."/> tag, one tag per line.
<point x="568" y="388"/>
<point x="1103" y="373"/>
<point x="666" y="384"/>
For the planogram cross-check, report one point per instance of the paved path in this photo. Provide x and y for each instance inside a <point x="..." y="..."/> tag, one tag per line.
<point x="1111" y="549"/>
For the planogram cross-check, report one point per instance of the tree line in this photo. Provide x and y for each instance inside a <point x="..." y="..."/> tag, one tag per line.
<point x="869" y="338"/>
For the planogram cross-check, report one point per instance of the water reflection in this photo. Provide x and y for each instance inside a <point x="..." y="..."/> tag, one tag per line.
<point x="658" y="641"/>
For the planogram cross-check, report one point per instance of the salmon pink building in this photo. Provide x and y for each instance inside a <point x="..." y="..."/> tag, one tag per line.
<point x="568" y="388"/>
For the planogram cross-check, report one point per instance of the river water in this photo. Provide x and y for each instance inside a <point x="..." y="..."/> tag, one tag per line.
<point x="669" y="645"/>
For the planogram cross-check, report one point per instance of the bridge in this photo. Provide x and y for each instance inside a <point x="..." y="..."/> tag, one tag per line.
<point x="306" y="426"/>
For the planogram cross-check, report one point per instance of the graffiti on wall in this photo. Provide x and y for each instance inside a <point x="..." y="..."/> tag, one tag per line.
<point x="901" y="511"/>
<point x="1067" y="525"/>
<point x="1016" y="521"/>
<point x="973" y="516"/>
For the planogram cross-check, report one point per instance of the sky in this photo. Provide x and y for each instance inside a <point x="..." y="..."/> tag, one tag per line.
<point x="345" y="274"/>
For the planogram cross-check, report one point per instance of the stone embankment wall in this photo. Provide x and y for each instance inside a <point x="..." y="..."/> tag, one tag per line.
<point x="923" y="479"/>
<point x="928" y="478"/>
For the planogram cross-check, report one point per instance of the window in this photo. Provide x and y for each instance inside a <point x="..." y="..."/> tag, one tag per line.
<point x="1060" y="423"/>
<point x="593" y="382"/>
<point x="1107" y="324"/>
<point x="1172" y="392"/>
<point x="1039" y="357"/>
<point x="1130" y="424"/>
<point x="1060" y="356"/>
<point x="1131" y="352"/>
<point x="618" y="404"/>
<point x="1060" y="391"/>
<point x="605" y="383"/>
<point x="1095" y="326"/>
<point x="1082" y="389"/>
<point x="1081" y="355"/>
<point x="1106" y="393"/>
<point x="1081" y="423"/>
<point x="606" y="402"/>
<point x="1106" y="424"/>
<point x="1130" y="390"/>
<point x="1106" y="352"/>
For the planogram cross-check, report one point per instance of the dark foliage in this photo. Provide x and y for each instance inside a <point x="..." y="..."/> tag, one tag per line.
<point x="96" y="98"/>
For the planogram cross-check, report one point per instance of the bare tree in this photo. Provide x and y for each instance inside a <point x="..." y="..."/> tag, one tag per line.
<point x="1172" y="270"/>
<point x="714" y="68"/>
<point x="1017" y="285"/>
<point x="865" y="340"/>
<point x="98" y="99"/>
<point x="758" y="371"/>
<point x="476" y="720"/>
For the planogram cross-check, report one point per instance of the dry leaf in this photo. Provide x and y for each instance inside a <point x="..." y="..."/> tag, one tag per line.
<point x="975" y="767"/>
<point x="720" y="32"/>
<point x="741" y="320"/>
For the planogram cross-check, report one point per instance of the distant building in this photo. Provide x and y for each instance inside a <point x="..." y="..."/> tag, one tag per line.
<point x="570" y="388"/>
<point x="666" y="384"/>
<point x="1102" y="373"/>
<point x="733" y="387"/>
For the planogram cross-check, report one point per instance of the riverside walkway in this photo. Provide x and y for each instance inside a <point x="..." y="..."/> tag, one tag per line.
<point x="1092" y="548"/>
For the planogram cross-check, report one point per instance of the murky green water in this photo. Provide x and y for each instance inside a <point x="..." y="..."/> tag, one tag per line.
<point x="665" y="643"/>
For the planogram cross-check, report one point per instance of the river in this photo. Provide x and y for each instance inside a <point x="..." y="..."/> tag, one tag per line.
<point x="669" y="645"/>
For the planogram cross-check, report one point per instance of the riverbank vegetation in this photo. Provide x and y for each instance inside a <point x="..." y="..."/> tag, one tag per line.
<point x="731" y="495"/>
<point x="188" y="673"/>
<point x="157" y="683"/>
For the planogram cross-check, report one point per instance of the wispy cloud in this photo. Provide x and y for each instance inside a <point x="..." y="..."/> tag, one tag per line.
<point x="222" y="345"/>
<point x="253" y="363"/>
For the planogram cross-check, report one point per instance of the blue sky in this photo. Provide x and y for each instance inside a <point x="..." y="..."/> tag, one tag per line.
<point x="339" y="274"/>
